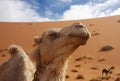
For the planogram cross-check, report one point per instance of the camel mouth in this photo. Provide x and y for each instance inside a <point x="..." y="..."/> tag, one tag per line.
<point x="79" y="36"/>
<point x="81" y="40"/>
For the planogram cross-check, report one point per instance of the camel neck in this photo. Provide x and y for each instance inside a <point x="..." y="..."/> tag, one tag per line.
<point x="53" y="72"/>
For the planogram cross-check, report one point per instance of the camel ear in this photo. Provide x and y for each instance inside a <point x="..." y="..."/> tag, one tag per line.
<point x="37" y="41"/>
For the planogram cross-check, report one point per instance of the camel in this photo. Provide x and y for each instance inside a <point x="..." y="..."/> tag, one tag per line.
<point x="48" y="58"/>
<point x="107" y="71"/>
<point x="19" y="67"/>
<point x="52" y="51"/>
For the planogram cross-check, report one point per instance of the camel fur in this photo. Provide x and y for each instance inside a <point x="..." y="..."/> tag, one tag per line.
<point x="19" y="67"/>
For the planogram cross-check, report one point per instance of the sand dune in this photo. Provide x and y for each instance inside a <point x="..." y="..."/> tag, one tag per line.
<point x="88" y="61"/>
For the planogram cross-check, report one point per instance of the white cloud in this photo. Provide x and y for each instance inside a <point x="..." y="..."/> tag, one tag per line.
<point x="48" y="13"/>
<point x="78" y="12"/>
<point x="20" y="11"/>
<point x="17" y="10"/>
<point x="116" y="12"/>
<point x="92" y="10"/>
<point x="65" y="1"/>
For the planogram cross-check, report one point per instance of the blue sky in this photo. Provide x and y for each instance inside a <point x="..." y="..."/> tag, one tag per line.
<point x="54" y="6"/>
<point x="50" y="10"/>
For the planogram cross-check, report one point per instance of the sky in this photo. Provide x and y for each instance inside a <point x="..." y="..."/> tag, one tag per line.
<point x="52" y="10"/>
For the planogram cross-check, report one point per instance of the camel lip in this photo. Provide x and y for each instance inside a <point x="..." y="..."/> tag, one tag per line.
<point x="78" y="36"/>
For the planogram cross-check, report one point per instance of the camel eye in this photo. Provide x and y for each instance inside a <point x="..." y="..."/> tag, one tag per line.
<point x="53" y="36"/>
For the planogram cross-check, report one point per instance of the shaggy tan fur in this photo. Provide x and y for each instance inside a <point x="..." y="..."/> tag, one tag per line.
<point x="52" y="51"/>
<point x="18" y="68"/>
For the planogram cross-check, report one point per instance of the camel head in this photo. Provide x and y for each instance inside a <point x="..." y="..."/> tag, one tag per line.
<point x="61" y="42"/>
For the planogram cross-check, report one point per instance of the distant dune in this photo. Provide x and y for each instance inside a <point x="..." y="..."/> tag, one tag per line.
<point x="88" y="61"/>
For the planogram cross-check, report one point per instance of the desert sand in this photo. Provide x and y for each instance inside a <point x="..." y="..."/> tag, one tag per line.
<point x="87" y="61"/>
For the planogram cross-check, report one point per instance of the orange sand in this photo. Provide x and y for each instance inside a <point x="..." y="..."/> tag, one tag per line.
<point x="108" y="29"/>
